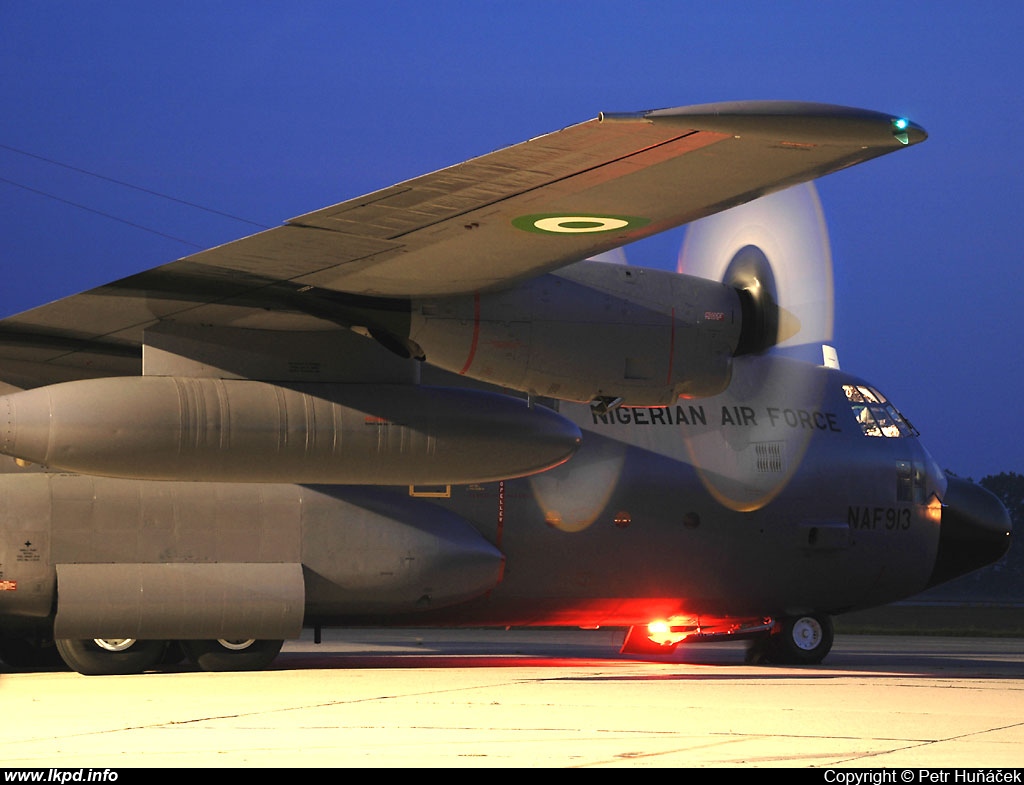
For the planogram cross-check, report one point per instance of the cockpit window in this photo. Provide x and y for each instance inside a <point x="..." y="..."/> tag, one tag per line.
<point x="877" y="417"/>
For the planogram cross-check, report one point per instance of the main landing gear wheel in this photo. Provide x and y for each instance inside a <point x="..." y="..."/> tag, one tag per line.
<point x="232" y="655"/>
<point x="796" y="640"/>
<point x="111" y="656"/>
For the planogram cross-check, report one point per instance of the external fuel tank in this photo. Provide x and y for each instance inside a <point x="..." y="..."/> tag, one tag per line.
<point x="200" y="429"/>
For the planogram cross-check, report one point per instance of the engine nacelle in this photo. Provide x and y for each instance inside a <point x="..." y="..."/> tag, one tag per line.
<point x="593" y="331"/>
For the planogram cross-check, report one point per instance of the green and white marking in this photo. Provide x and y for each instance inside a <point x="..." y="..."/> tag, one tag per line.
<point x="557" y="223"/>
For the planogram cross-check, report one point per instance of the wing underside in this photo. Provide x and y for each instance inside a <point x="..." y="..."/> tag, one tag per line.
<point x="482" y="224"/>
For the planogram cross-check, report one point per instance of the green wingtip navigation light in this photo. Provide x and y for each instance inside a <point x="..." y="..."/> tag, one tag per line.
<point x="899" y="129"/>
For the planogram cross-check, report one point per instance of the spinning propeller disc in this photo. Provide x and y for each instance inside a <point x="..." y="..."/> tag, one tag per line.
<point x="777" y="248"/>
<point x="788" y="228"/>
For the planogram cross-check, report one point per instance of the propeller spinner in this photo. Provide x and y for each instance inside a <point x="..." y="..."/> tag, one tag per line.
<point x="774" y="249"/>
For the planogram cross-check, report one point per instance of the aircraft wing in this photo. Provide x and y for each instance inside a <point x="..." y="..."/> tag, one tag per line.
<point x="478" y="225"/>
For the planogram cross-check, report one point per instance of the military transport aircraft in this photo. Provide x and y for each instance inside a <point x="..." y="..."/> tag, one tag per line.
<point x="432" y="406"/>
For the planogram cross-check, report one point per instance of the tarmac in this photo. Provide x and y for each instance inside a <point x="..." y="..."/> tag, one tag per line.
<point x="534" y="698"/>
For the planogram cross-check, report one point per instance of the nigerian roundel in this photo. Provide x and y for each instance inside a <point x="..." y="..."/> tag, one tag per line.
<point x="558" y="223"/>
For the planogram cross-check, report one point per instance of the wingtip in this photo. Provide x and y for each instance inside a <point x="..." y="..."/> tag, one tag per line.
<point x="797" y="121"/>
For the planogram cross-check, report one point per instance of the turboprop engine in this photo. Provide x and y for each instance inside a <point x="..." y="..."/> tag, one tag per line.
<point x="600" y="332"/>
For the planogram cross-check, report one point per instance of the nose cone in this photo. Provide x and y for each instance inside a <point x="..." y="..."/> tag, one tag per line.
<point x="975" y="531"/>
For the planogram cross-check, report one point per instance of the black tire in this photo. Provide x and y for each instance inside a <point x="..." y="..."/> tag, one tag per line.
<point x="232" y="655"/>
<point x="111" y="656"/>
<point x="30" y="654"/>
<point x="800" y="640"/>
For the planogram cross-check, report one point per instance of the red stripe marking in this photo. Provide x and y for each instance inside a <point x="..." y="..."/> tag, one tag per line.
<point x="671" y="347"/>
<point x="476" y="333"/>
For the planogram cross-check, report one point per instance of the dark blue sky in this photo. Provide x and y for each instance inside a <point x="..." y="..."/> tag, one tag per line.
<point x="266" y="110"/>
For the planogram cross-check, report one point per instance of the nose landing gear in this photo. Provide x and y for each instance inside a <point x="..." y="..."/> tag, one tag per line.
<point x="795" y="640"/>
